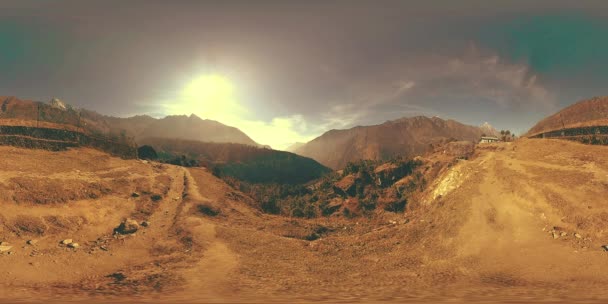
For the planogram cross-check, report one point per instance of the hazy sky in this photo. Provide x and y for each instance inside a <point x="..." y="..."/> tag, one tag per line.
<point x="286" y="71"/>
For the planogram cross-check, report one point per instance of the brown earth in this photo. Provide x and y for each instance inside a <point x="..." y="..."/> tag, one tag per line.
<point x="484" y="233"/>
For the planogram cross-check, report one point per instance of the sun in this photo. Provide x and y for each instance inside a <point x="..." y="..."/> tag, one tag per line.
<point x="211" y="96"/>
<point x="210" y="88"/>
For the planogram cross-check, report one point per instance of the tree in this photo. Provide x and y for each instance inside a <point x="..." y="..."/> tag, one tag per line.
<point x="147" y="152"/>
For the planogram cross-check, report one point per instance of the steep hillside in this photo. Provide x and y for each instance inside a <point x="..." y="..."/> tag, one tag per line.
<point x="585" y="113"/>
<point x="244" y="162"/>
<point x="403" y="137"/>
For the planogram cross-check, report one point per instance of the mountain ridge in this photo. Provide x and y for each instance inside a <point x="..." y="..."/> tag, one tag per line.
<point x="407" y="136"/>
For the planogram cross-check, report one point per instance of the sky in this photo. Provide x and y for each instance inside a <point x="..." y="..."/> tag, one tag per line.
<point x="288" y="71"/>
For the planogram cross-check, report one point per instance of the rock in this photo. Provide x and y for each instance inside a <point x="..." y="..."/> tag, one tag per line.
<point x="128" y="226"/>
<point x="605" y="247"/>
<point x="73" y="245"/>
<point x="563" y="234"/>
<point x="134" y="194"/>
<point x="104" y="248"/>
<point x="578" y="236"/>
<point x="145" y="224"/>
<point x="346" y="186"/>
<point x="66" y="241"/>
<point x="387" y="174"/>
<point x="4" y="248"/>
<point x="555" y="235"/>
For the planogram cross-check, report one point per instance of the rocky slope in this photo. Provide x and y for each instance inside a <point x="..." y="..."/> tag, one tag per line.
<point x="403" y="137"/>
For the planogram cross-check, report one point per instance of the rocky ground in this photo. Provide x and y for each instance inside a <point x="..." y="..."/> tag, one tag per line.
<point x="523" y="221"/>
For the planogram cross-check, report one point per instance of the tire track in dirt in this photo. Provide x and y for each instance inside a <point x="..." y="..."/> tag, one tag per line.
<point x="209" y="277"/>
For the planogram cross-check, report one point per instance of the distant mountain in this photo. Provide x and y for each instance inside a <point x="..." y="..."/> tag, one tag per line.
<point x="402" y="137"/>
<point x="182" y="127"/>
<point x="585" y="113"/>
<point x="489" y="130"/>
<point x="295" y="146"/>
<point x="58" y="114"/>
<point x="244" y="162"/>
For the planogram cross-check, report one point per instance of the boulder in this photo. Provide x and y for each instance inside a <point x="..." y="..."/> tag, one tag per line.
<point x="66" y="241"/>
<point x="73" y="245"/>
<point x="605" y="247"/>
<point x="346" y="186"/>
<point x="145" y="224"/>
<point x="135" y="194"/>
<point x="32" y="242"/>
<point x="578" y="236"/>
<point x="127" y="226"/>
<point x="4" y="248"/>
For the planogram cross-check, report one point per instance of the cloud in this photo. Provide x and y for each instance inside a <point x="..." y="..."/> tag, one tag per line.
<point x="467" y="88"/>
<point x="442" y="85"/>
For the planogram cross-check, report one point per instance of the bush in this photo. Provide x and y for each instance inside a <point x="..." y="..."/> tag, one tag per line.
<point x="147" y="152"/>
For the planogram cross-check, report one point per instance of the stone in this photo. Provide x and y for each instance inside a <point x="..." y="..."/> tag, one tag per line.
<point x="5" y="248"/>
<point x="578" y="236"/>
<point x="32" y="242"/>
<point x="346" y="186"/>
<point x="4" y="244"/>
<point x="555" y="235"/>
<point x="128" y="226"/>
<point x="145" y="224"/>
<point x="605" y="247"/>
<point x="134" y="194"/>
<point x="73" y="245"/>
<point x="563" y="234"/>
<point x="66" y="241"/>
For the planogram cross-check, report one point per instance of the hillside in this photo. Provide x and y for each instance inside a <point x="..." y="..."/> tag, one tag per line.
<point x="244" y="162"/>
<point x="182" y="127"/>
<point x="585" y="113"/>
<point x="517" y="221"/>
<point x="406" y="137"/>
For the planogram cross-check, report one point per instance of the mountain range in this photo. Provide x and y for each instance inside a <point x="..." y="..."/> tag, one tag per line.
<point x="402" y="137"/>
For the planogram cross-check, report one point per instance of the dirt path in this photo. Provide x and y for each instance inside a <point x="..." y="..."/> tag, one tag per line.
<point x="512" y="218"/>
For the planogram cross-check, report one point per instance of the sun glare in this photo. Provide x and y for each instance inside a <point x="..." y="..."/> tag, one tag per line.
<point x="212" y="96"/>
<point x="210" y="88"/>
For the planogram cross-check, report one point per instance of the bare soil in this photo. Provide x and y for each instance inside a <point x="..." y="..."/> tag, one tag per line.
<point x="517" y="222"/>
